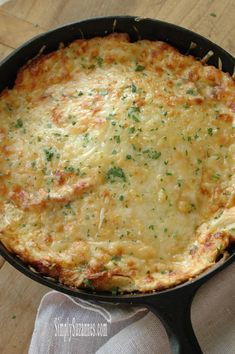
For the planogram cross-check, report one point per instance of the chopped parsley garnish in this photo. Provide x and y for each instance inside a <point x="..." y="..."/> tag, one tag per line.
<point x="114" y="291"/>
<point x="115" y="174"/>
<point x="139" y="68"/>
<point x="133" y="113"/>
<point x="80" y="93"/>
<point x="110" y="116"/>
<point x="19" y="123"/>
<point x="133" y="88"/>
<point x="128" y="157"/>
<point x="116" y="258"/>
<point x="152" y="154"/>
<point x="121" y="198"/>
<point x="49" y="153"/>
<point x="191" y="92"/>
<point x="179" y="182"/>
<point x="69" y="169"/>
<point x="210" y="131"/>
<point x="89" y="283"/>
<point x="212" y="14"/>
<point x="216" y="176"/>
<point x="85" y="139"/>
<point x="136" y="119"/>
<point x="99" y="61"/>
<point x="117" y="139"/>
<point x="68" y="206"/>
<point x="131" y="130"/>
<point x="151" y="227"/>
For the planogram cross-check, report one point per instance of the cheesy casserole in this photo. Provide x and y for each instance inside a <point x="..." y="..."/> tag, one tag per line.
<point x="117" y="165"/>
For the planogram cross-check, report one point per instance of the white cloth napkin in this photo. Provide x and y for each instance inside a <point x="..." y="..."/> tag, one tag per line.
<point x="61" y="320"/>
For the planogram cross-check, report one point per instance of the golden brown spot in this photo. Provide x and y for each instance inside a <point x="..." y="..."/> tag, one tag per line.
<point x="56" y="116"/>
<point x="184" y="206"/>
<point x="226" y="118"/>
<point x="81" y="186"/>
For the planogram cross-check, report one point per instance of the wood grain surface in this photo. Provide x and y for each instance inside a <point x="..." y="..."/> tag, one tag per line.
<point x="23" y="19"/>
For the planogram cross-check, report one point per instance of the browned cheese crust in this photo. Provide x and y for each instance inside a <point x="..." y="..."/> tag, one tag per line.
<point x="117" y="165"/>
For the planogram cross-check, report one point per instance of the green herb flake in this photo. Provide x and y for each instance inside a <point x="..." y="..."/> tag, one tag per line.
<point x="216" y="176"/>
<point x="117" y="139"/>
<point x="133" y="113"/>
<point x="114" y="291"/>
<point x="191" y="92"/>
<point x="210" y="131"/>
<point x="212" y="14"/>
<point x="179" y="182"/>
<point x="131" y="130"/>
<point x="152" y="154"/>
<point x="136" y="119"/>
<point x="133" y="88"/>
<point x="99" y="61"/>
<point x="68" y="206"/>
<point x="139" y="68"/>
<point x="128" y="157"/>
<point x="69" y="169"/>
<point x="186" y="105"/>
<point x="49" y="154"/>
<point x="116" y="258"/>
<point x="89" y="283"/>
<point x="19" y="123"/>
<point x="115" y="174"/>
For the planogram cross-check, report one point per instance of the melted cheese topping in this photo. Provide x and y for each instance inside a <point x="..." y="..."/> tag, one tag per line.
<point x="117" y="164"/>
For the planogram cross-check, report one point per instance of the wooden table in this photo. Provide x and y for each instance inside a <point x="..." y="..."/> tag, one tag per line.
<point x="23" y="19"/>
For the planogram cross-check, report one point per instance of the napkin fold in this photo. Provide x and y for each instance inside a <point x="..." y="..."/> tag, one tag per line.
<point x="67" y="325"/>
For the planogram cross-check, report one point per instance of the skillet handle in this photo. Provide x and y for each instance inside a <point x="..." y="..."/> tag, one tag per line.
<point x="174" y="310"/>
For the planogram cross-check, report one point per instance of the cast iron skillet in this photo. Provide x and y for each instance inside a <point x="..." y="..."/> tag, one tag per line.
<point x="172" y="305"/>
